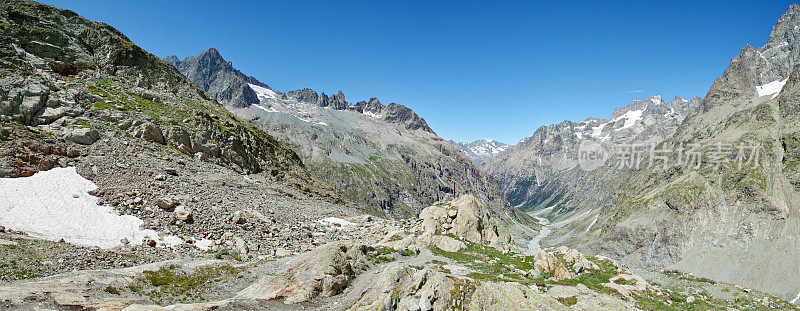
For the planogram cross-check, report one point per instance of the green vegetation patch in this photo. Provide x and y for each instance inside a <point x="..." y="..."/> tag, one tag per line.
<point x="489" y="263"/>
<point x="173" y="284"/>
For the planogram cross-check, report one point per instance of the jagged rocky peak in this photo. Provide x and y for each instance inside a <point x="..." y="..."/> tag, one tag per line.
<point x="393" y="113"/>
<point x="211" y="72"/>
<point x="337" y="101"/>
<point x="639" y="116"/>
<point x="304" y="95"/>
<point x="762" y="72"/>
<point x="371" y="108"/>
<point x="397" y="113"/>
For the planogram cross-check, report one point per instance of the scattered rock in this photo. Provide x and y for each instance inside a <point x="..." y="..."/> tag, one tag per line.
<point x="7" y="242"/>
<point x="150" y="132"/>
<point x="83" y="136"/>
<point x="629" y="284"/>
<point x="282" y="252"/>
<point x="447" y="243"/>
<point x="425" y="304"/>
<point x="166" y="203"/>
<point x="238" y="218"/>
<point x="183" y="214"/>
<point x="241" y="246"/>
<point x="412" y="305"/>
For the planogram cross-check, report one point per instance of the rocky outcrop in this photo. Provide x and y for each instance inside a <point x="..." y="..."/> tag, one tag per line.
<point x="324" y="272"/>
<point x="562" y="263"/>
<point x="113" y="82"/>
<point x="511" y="296"/>
<point x="466" y="218"/>
<point x="400" y="288"/>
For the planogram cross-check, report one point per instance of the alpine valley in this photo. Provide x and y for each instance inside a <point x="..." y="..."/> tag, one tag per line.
<point x="133" y="182"/>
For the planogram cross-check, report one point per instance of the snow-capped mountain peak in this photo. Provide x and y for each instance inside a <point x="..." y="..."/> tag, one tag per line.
<point x="480" y="150"/>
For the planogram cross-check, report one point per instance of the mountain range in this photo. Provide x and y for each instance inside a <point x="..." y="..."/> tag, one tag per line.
<point x="384" y="158"/>
<point x="720" y="219"/>
<point x="480" y="150"/>
<point x="131" y="182"/>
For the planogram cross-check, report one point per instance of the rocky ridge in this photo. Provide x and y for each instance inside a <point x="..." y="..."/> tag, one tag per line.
<point x="542" y="169"/>
<point x="218" y="78"/>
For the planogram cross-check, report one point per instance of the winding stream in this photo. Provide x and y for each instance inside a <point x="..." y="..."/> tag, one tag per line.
<point x="533" y="244"/>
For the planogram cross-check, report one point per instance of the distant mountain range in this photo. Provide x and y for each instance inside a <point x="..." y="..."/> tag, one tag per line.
<point x="480" y="150"/>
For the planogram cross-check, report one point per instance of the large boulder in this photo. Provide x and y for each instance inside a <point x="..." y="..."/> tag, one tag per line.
<point x="149" y="132"/>
<point x="83" y="135"/>
<point x="571" y="263"/>
<point x="323" y="272"/>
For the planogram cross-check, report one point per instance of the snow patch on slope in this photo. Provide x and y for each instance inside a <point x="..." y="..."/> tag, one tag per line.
<point x="488" y="147"/>
<point x="270" y="109"/>
<point x="372" y="114"/>
<point x="337" y="221"/>
<point x="598" y="130"/>
<point x="631" y="117"/>
<point x="56" y="205"/>
<point x="262" y="92"/>
<point x="772" y="88"/>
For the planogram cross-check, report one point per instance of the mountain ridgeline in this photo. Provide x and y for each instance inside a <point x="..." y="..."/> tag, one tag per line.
<point x="538" y="172"/>
<point x="384" y="158"/>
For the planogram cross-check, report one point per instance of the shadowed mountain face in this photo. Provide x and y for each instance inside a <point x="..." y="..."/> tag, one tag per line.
<point x="209" y="71"/>
<point x="385" y="158"/>
<point x="725" y="216"/>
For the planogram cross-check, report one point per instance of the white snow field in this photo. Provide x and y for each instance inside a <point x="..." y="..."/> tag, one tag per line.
<point x="56" y="205"/>
<point x="772" y="88"/>
<point x="262" y="92"/>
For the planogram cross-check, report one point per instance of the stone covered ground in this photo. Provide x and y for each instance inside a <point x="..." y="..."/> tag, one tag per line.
<point x="453" y="257"/>
<point x="246" y="217"/>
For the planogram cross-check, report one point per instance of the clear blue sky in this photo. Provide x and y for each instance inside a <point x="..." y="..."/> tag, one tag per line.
<point x="471" y="69"/>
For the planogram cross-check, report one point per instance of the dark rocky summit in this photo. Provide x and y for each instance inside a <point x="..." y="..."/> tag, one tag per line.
<point x="210" y="72"/>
